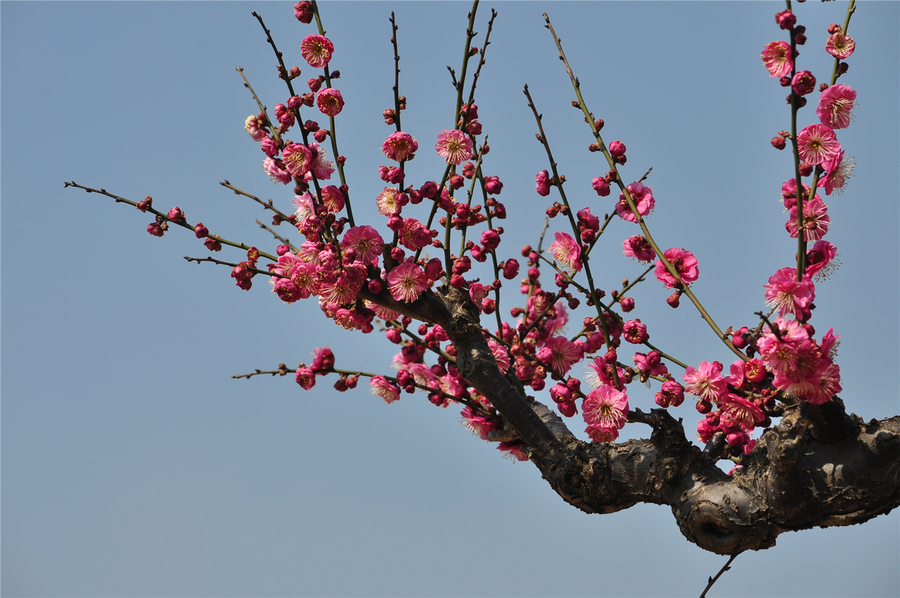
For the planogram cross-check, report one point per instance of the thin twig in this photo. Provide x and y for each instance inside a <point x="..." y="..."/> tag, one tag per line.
<point x="277" y="236"/>
<point x="713" y="580"/>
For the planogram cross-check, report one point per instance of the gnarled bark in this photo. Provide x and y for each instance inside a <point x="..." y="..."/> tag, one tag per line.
<point x="818" y="467"/>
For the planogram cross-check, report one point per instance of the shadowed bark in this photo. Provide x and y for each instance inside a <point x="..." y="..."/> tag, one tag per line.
<point x="818" y="467"/>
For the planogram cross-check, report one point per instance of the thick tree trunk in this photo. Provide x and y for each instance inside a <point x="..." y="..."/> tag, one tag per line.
<point x="818" y="467"/>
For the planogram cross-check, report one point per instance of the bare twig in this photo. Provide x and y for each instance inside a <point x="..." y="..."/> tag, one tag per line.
<point x="713" y="580"/>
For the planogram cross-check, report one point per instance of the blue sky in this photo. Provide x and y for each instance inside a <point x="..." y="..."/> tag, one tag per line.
<point x="132" y="464"/>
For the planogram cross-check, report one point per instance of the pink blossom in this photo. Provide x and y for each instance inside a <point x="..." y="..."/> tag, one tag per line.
<point x="600" y="186"/>
<point x="839" y="45"/>
<point x="500" y="355"/>
<point x="414" y="235"/>
<point x="330" y="101"/>
<point x="276" y="172"/>
<point x="305" y="378"/>
<point x="510" y="269"/>
<point x="490" y="239"/>
<point x="303" y="275"/>
<point x="560" y="354"/>
<point x="316" y="50"/>
<point x="477" y="292"/>
<point x="642" y="197"/>
<point x="601" y="433"/>
<point x="780" y="351"/>
<point x="297" y="159"/>
<point x="635" y="332"/>
<point x="393" y="174"/>
<point x="777" y="58"/>
<point x="399" y="146"/>
<point x="567" y="252"/>
<point x="639" y="248"/>
<point x="835" y="105"/>
<point x="802" y="368"/>
<point x="815" y="220"/>
<point x="323" y="359"/>
<point x="617" y="149"/>
<point x="323" y="168"/>
<point x="600" y="371"/>
<point x="789" y="193"/>
<point x="407" y="281"/>
<point x="284" y="115"/>
<point x="707" y="382"/>
<point x="558" y="322"/>
<point x="305" y="206"/>
<point x="785" y="19"/>
<point x="386" y="315"/>
<point x="670" y="395"/>
<point x="252" y="126"/>
<point x="784" y="293"/>
<point x="387" y="202"/>
<point x="743" y="412"/>
<point x="345" y="287"/>
<point x="685" y="265"/>
<point x="303" y="11"/>
<point x="826" y="384"/>
<point x="333" y="198"/>
<point x="514" y="451"/>
<point x="837" y="172"/>
<point x="817" y="144"/>
<point x="268" y="147"/>
<point x="381" y="387"/>
<point x="651" y="363"/>
<point x="803" y="83"/>
<point x="454" y="146"/>
<point x="477" y="424"/>
<point x="605" y="407"/>
<point x="820" y="260"/>
<point x="366" y="242"/>
<point x="542" y="183"/>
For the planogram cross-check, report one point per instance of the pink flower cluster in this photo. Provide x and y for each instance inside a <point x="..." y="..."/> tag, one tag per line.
<point x="803" y="368"/>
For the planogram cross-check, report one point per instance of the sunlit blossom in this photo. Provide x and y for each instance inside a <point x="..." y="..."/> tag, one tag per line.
<point x="835" y="105"/>
<point x="567" y="252"/>
<point x="777" y="58"/>
<point x="316" y="50"/>
<point x="454" y="146"/>
<point x="407" y="281"/>
<point x="817" y="144"/>
<point x="605" y="407"/>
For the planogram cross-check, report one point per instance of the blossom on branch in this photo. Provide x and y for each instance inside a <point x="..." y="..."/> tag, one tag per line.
<point x="835" y="105"/>
<point x="406" y="282"/>
<point x="685" y="265"/>
<point x="454" y="146"/>
<point x="777" y="58"/>
<point x="400" y="146"/>
<point x="567" y="252"/>
<point x="604" y="411"/>
<point x="381" y="387"/>
<point x="330" y="102"/>
<point x="316" y="50"/>
<point x="817" y="144"/>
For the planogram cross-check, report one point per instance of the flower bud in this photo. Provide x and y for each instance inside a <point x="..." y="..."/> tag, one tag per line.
<point x="175" y="215"/>
<point x="673" y="300"/>
<point x="200" y="230"/>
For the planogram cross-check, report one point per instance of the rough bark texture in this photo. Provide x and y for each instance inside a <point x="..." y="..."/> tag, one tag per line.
<point x="818" y="467"/>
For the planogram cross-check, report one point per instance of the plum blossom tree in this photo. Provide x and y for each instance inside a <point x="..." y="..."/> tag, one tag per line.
<point x="431" y="271"/>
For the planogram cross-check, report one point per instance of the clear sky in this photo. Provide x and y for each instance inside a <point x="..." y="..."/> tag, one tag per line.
<point x="133" y="465"/>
